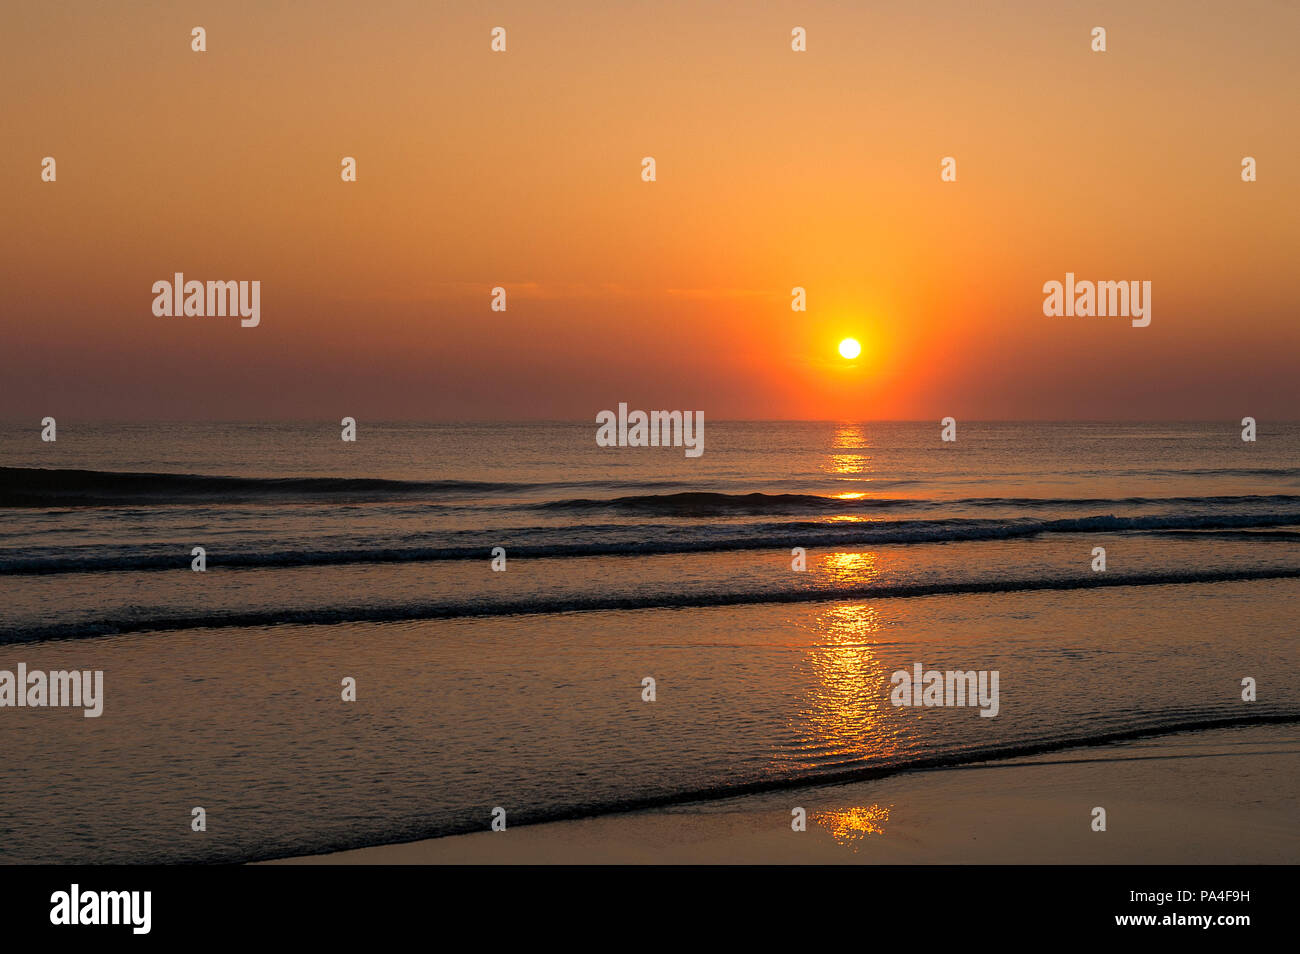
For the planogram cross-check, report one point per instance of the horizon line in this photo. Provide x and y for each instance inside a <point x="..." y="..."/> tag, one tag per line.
<point x="480" y="422"/>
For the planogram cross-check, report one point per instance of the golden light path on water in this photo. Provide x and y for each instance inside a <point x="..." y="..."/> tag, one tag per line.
<point x="849" y="440"/>
<point x="850" y="459"/>
<point x="845" y="716"/>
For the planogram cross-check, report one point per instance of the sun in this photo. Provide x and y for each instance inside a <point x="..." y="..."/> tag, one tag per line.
<point x="849" y="348"/>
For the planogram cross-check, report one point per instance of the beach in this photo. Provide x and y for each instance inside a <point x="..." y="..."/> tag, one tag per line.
<point x="1214" y="797"/>
<point x="384" y="644"/>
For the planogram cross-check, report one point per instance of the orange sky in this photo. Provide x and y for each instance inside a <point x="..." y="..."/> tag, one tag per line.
<point x="775" y="169"/>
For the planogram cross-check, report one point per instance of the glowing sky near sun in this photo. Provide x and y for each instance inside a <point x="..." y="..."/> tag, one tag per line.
<point x="774" y="170"/>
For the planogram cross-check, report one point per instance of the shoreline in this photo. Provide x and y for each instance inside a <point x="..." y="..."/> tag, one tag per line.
<point x="1205" y="797"/>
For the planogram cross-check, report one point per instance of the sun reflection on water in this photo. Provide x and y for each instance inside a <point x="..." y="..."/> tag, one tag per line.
<point x="850" y="440"/>
<point x="849" y="569"/>
<point x="845" y="716"/>
<point x="850" y="826"/>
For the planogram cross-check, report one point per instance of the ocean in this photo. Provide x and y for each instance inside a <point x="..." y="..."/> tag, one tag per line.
<point x="478" y="688"/>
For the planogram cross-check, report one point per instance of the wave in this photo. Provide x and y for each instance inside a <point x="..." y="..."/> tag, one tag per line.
<point x="863" y="771"/>
<point x="634" y="540"/>
<point x="573" y="603"/>
<point x="705" y="503"/>
<point x="1291" y="472"/>
<point x="33" y="487"/>
<point x="41" y="487"/>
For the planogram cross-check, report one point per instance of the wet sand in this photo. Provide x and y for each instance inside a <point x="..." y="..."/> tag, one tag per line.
<point x="1218" y="797"/>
